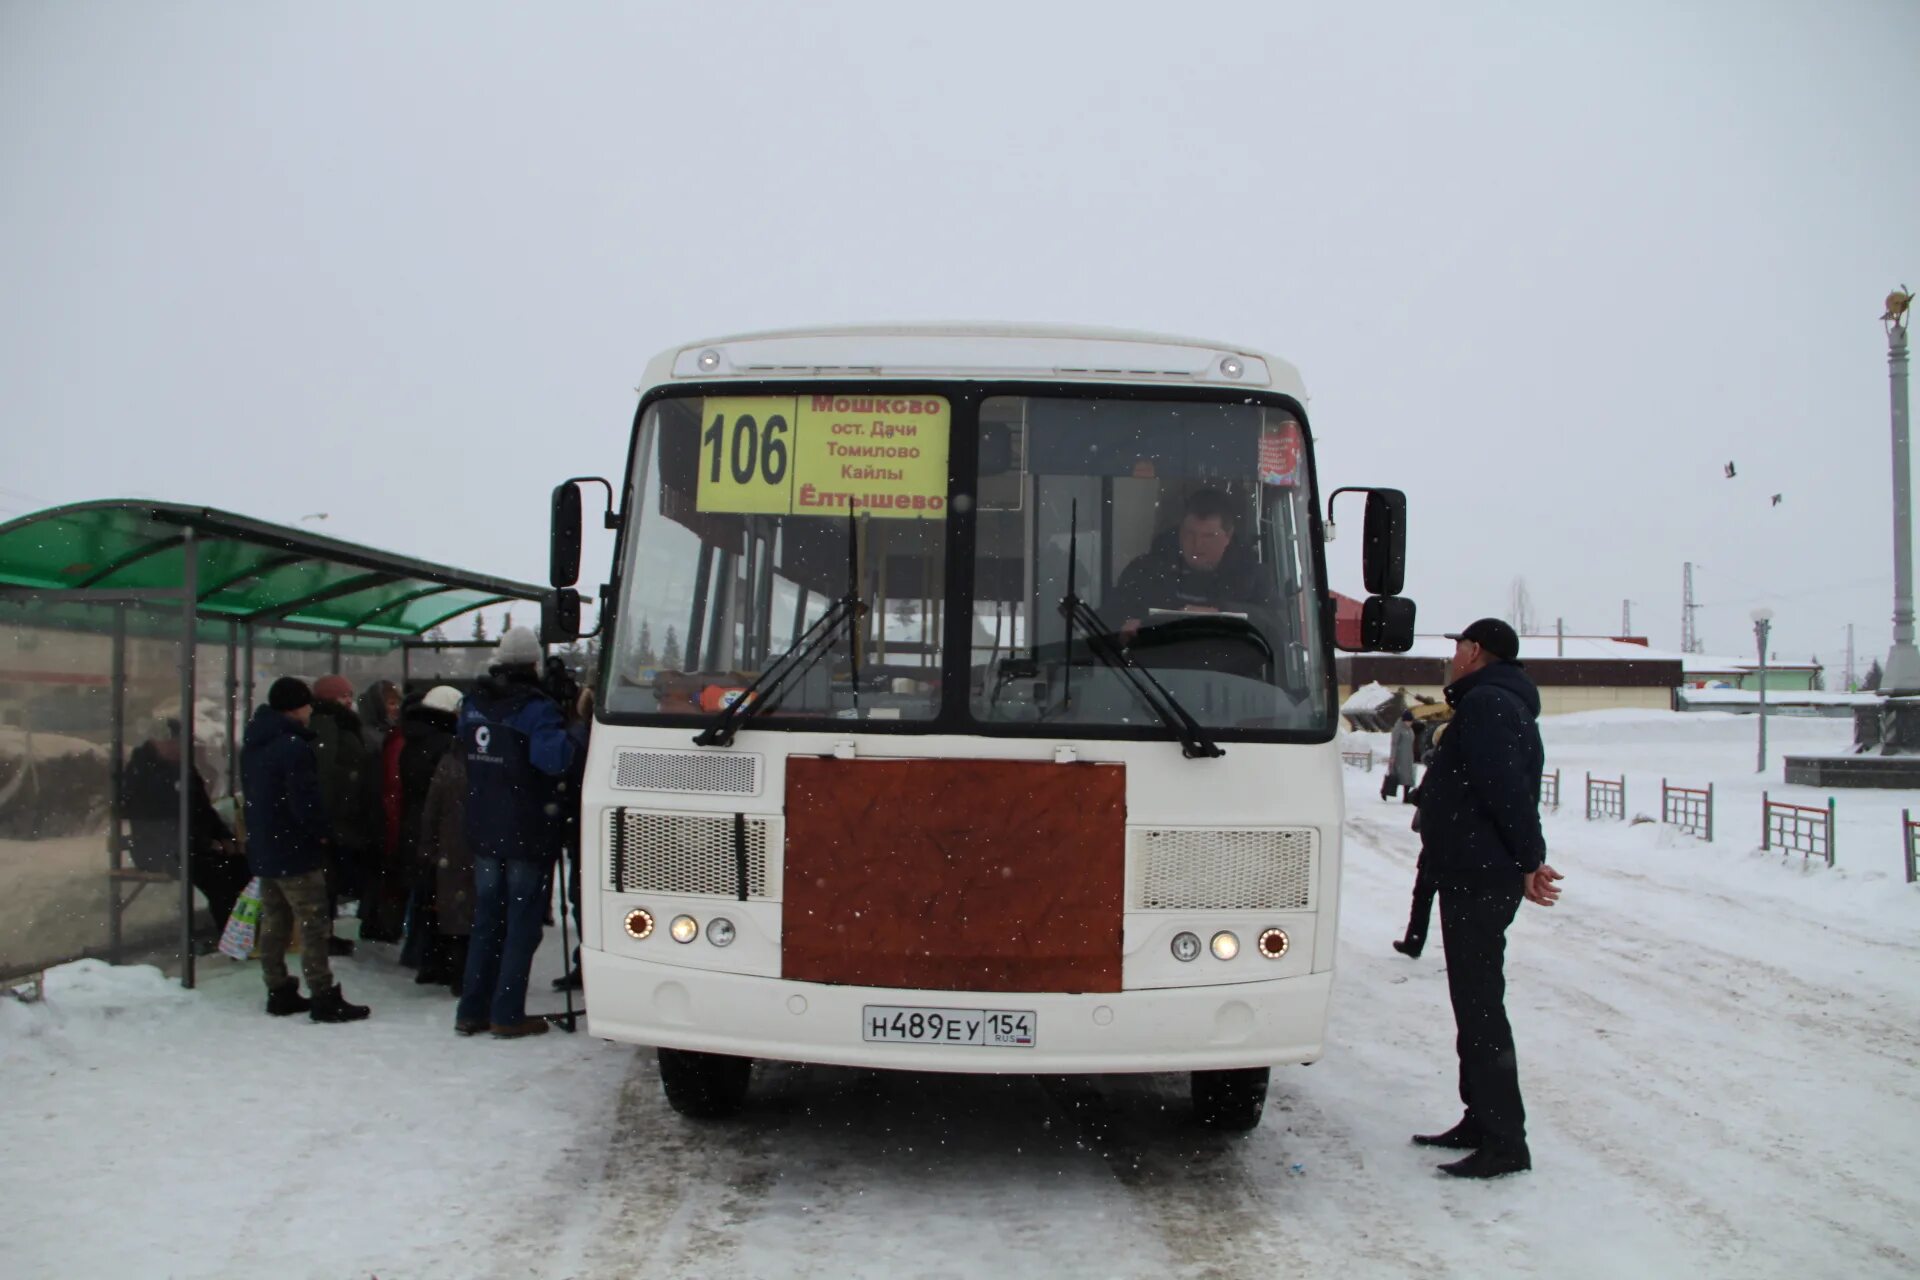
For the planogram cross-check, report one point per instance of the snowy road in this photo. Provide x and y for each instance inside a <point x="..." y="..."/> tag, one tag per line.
<point x="1720" y="1050"/>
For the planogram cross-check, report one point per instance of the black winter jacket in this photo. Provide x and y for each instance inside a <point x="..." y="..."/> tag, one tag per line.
<point x="1480" y="800"/>
<point x="286" y="819"/>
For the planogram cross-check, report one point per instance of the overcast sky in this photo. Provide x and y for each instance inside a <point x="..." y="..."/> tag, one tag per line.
<point x="404" y="264"/>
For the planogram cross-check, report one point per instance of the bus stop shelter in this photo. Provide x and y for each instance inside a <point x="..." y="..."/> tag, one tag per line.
<point x="117" y="616"/>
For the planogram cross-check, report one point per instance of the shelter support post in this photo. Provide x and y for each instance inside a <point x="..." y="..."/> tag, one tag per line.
<point x="116" y="837"/>
<point x="189" y="637"/>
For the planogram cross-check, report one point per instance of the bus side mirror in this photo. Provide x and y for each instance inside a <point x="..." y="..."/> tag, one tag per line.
<point x="1383" y="545"/>
<point x="560" y="617"/>
<point x="563" y="554"/>
<point x="1386" y="624"/>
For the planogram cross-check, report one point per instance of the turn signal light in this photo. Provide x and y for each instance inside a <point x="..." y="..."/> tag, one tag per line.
<point x="639" y="925"/>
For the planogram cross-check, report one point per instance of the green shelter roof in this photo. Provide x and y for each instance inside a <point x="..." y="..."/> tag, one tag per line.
<point x="244" y="570"/>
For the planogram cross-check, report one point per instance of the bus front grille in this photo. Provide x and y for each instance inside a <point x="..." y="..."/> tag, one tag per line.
<point x="1195" y="869"/>
<point x="686" y="853"/>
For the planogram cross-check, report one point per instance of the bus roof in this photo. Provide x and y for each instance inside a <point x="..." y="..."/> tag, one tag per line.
<point x="976" y="351"/>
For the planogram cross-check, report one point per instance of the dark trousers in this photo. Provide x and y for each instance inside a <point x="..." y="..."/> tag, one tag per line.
<point x="1473" y="924"/>
<point x="1421" y="915"/>
<point x="509" y="895"/>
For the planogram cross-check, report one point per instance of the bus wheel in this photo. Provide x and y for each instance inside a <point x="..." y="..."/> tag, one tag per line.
<point x="705" y="1086"/>
<point x="1230" y="1100"/>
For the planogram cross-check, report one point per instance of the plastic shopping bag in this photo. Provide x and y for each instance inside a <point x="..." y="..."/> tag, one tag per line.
<point x="237" y="940"/>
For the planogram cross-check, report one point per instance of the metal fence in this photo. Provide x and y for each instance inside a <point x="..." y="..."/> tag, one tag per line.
<point x="1550" y="789"/>
<point x="1688" y="808"/>
<point x="1358" y="759"/>
<point x="1606" y="799"/>
<point x="1910" y="833"/>
<point x="1797" y="828"/>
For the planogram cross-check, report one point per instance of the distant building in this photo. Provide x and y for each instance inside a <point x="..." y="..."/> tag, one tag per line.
<point x="1579" y="673"/>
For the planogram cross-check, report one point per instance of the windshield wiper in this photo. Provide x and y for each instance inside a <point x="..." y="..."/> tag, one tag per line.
<point x="813" y="642"/>
<point x="1194" y="742"/>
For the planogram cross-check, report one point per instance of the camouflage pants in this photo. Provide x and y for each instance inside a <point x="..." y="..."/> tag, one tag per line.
<point x="282" y="900"/>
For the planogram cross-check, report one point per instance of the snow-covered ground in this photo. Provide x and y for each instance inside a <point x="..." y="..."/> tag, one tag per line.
<point x="1720" y="1050"/>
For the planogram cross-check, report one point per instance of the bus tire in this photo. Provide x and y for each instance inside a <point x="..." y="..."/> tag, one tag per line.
<point x="704" y="1086"/>
<point x="1230" y="1100"/>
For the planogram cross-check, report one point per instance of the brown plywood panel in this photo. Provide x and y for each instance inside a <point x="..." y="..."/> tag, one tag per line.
<point x="954" y="875"/>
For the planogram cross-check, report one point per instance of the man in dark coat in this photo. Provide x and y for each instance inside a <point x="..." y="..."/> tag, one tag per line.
<point x="287" y="846"/>
<point x="426" y="734"/>
<point x="517" y="749"/>
<point x="1482" y="846"/>
<point x="342" y="759"/>
<point x="1203" y="568"/>
<point x="150" y="802"/>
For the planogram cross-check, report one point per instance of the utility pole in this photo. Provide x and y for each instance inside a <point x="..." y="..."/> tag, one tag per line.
<point x="1762" y="624"/>
<point x="1626" y="618"/>
<point x="1849" y="688"/>
<point x="1560" y="637"/>
<point x="1689" y="633"/>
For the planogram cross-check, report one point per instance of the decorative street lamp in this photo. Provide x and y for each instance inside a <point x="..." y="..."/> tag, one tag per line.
<point x="1762" y="624"/>
<point x="1902" y="674"/>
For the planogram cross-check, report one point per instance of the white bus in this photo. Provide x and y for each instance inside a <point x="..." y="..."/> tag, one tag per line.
<point x="967" y="703"/>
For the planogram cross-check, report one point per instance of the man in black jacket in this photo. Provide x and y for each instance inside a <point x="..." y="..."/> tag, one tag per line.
<point x="287" y="837"/>
<point x="1482" y="846"/>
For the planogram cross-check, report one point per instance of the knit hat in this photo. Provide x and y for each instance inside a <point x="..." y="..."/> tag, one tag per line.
<point x="333" y="689"/>
<point x="289" y="693"/>
<point x="442" y="697"/>
<point x="518" y="648"/>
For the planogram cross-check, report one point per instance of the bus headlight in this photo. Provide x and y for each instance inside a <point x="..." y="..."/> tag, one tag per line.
<point x="1274" y="943"/>
<point x="1186" y="946"/>
<point x="684" y="928"/>
<point x="639" y="925"/>
<point x="720" y="931"/>
<point x="1225" y="946"/>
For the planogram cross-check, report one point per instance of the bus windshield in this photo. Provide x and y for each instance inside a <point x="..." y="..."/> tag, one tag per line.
<point x="752" y="516"/>
<point x="1181" y="526"/>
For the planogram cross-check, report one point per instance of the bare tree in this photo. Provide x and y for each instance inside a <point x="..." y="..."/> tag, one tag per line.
<point x="1520" y="607"/>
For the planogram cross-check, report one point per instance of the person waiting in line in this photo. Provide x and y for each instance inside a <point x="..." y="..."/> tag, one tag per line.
<point x="517" y="749"/>
<point x="287" y="849"/>
<point x="383" y="882"/>
<point x="443" y="844"/>
<point x="1200" y="568"/>
<point x="150" y="802"/>
<point x="342" y="757"/>
<point x="427" y="726"/>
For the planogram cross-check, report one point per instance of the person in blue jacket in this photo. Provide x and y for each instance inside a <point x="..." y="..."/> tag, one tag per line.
<point x="517" y="752"/>
<point x="1481" y="844"/>
<point x="287" y="836"/>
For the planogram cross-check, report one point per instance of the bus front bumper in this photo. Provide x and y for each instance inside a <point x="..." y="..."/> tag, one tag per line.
<point x="1252" y="1024"/>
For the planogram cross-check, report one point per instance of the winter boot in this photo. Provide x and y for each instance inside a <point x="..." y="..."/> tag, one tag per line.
<point x="339" y="946"/>
<point x="1491" y="1162"/>
<point x="286" y="1000"/>
<point x="516" y="1030"/>
<point x="1411" y="950"/>
<point x="1462" y="1137"/>
<point x="331" y="1006"/>
<point x="463" y="1028"/>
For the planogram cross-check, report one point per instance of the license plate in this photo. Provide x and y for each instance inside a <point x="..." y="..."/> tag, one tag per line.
<point x="993" y="1028"/>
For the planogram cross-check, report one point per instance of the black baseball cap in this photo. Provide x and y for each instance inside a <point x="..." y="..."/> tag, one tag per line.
<point x="1495" y="636"/>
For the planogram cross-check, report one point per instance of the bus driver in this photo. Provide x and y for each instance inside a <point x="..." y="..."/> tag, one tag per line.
<point x="1204" y="571"/>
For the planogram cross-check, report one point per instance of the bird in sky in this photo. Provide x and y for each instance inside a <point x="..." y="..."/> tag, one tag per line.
<point x="1729" y="471"/>
<point x="1776" y="499"/>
